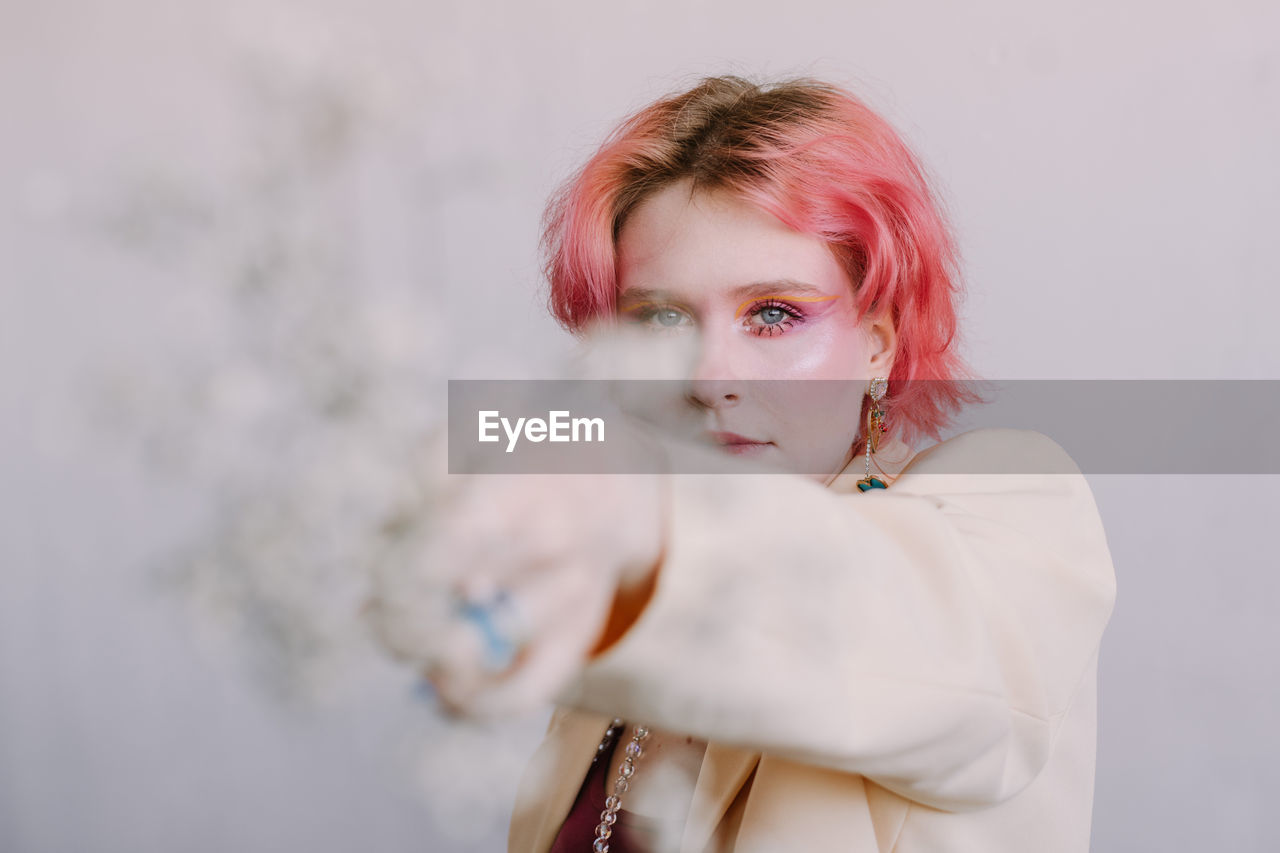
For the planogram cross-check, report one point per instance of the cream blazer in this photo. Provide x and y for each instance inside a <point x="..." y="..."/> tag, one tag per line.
<point x="909" y="670"/>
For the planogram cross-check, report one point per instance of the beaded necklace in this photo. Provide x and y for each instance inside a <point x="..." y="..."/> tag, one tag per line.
<point x="622" y="784"/>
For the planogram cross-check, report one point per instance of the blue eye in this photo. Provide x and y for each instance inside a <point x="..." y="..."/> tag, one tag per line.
<point x="659" y="317"/>
<point x="774" y="318"/>
<point x="772" y="315"/>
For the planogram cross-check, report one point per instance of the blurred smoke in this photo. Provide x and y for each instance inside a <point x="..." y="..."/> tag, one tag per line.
<point x="299" y="427"/>
<point x="300" y="400"/>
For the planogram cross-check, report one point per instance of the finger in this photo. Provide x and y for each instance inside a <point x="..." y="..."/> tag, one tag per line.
<point x="568" y="613"/>
<point x="422" y="586"/>
<point x="412" y="598"/>
<point x="542" y="599"/>
<point x="472" y="545"/>
<point x="464" y="669"/>
<point x="451" y="690"/>
<point x="516" y="526"/>
<point x="546" y="667"/>
<point x="507" y="623"/>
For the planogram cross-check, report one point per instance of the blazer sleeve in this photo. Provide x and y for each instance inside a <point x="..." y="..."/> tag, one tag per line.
<point x="930" y="636"/>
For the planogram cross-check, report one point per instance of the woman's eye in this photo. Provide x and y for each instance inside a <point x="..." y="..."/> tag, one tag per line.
<point x="772" y="319"/>
<point x="772" y="315"/>
<point x="661" y="318"/>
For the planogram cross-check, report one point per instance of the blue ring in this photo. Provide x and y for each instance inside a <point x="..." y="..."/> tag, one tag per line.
<point x="499" y="650"/>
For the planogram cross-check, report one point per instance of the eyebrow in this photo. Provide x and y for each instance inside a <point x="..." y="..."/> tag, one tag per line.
<point x="746" y="293"/>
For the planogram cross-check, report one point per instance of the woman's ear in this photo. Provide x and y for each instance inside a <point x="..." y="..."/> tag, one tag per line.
<point x="882" y="338"/>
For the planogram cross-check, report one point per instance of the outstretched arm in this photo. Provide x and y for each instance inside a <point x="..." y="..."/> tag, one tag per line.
<point x="930" y="637"/>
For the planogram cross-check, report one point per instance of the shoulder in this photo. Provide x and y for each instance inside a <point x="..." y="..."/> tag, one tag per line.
<point x="1013" y="475"/>
<point x="1014" y="492"/>
<point x="994" y="450"/>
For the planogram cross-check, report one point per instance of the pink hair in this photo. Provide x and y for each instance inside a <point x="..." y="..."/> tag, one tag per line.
<point x="823" y="163"/>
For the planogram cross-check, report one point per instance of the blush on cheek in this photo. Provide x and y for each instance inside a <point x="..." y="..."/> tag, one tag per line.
<point x="833" y="351"/>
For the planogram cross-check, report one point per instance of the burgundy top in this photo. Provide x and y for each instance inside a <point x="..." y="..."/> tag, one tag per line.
<point x="631" y="833"/>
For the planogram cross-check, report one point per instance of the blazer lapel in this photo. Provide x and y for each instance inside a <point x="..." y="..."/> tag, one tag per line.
<point x="555" y="774"/>
<point x="552" y="781"/>
<point x="724" y="770"/>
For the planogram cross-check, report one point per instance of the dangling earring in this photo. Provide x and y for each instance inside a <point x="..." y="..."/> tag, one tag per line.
<point x="875" y="428"/>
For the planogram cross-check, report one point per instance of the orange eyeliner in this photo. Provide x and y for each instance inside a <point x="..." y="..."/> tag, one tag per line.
<point x="753" y="300"/>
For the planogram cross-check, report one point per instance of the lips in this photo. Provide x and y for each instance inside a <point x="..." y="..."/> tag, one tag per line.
<point x="732" y="439"/>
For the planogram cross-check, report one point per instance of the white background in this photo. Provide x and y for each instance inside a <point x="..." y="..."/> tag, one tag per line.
<point x="1111" y="170"/>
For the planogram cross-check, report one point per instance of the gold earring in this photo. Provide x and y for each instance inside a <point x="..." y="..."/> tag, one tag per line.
<point x="875" y="428"/>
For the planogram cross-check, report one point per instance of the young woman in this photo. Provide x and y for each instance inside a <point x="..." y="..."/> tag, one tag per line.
<point x="877" y="650"/>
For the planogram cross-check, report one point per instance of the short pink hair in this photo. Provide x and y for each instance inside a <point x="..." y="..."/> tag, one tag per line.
<point x="822" y="162"/>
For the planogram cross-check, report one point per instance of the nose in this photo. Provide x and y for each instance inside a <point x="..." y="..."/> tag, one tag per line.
<point x="712" y="394"/>
<point x="716" y="381"/>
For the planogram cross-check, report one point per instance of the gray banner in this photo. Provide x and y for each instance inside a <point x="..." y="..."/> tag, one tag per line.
<point x="1106" y="426"/>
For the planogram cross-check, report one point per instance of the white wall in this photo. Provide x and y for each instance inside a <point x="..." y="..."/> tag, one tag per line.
<point x="191" y="191"/>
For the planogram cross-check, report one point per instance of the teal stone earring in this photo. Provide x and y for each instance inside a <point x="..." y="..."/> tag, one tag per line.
<point x="875" y="427"/>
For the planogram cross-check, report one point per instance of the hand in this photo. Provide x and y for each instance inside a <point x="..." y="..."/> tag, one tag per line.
<point x="572" y="556"/>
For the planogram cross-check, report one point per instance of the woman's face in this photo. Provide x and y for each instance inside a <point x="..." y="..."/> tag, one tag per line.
<point x="765" y="302"/>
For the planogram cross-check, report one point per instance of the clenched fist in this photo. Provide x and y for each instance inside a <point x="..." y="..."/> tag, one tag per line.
<point x="499" y="587"/>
